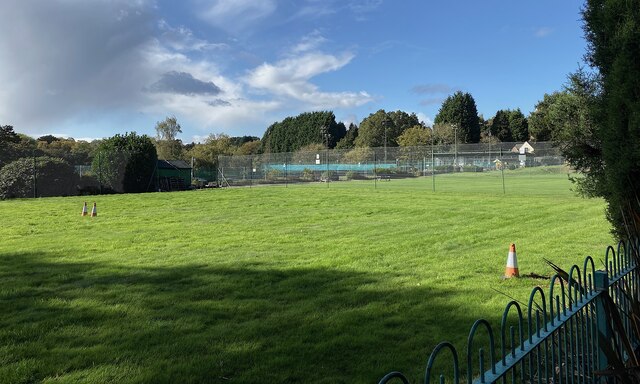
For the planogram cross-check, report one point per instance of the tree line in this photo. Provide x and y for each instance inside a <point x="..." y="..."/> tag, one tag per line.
<point x="457" y="121"/>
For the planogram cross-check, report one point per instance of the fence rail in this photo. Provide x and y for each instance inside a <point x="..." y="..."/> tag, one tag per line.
<point x="566" y="336"/>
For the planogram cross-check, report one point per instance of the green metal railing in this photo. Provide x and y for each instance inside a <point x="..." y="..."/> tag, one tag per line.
<point x="559" y="340"/>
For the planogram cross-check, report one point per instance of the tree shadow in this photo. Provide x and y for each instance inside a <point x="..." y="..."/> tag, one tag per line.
<point x="67" y="321"/>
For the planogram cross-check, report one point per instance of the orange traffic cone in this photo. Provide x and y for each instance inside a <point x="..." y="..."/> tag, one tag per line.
<point x="84" y="209"/>
<point x="512" y="263"/>
<point x="94" y="211"/>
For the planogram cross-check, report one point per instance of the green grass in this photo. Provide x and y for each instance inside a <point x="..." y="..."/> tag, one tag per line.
<point x="306" y="283"/>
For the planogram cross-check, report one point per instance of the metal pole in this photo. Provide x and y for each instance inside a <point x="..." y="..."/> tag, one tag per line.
<point x="455" y="141"/>
<point x="602" y="285"/>
<point x="324" y="130"/>
<point x="384" y="123"/>
<point x="489" y="149"/>
<point x="35" y="176"/>
<point x="286" y="180"/>
<point x="433" y="167"/>
<point x="375" y="175"/>
<point x="504" y="191"/>
<point x="100" y="172"/>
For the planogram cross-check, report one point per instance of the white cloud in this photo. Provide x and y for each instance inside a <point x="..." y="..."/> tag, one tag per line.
<point x="182" y="39"/>
<point x="291" y="78"/>
<point x="543" y="32"/>
<point x="425" y="119"/>
<point x="364" y="6"/>
<point x="236" y="15"/>
<point x="309" y="42"/>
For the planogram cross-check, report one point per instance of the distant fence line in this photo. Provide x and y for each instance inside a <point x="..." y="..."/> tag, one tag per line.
<point x="368" y="163"/>
<point x="581" y="332"/>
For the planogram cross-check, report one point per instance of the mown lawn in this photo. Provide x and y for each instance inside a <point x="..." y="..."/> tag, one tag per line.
<point x="306" y="283"/>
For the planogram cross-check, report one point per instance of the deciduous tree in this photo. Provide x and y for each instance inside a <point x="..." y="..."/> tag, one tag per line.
<point x="167" y="145"/>
<point x="415" y="136"/>
<point x="383" y="128"/>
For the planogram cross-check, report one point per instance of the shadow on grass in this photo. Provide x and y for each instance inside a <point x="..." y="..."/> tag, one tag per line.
<point x="66" y="322"/>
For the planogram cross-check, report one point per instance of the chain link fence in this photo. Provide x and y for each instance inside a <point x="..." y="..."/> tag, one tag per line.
<point x="381" y="163"/>
<point x="39" y="175"/>
<point x="120" y="172"/>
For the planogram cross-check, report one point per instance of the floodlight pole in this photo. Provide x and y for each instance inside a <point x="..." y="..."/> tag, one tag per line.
<point x="489" y="148"/>
<point x="384" y="124"/>
<point x="504" y="191"/>
<point x="375" y="175"/>
<point x="433" y="168"/>
<point x="325" y="132"/>
<point x="455" y="145"/>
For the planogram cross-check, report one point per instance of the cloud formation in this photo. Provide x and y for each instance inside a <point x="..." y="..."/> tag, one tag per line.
<point x="183" y="83"/>
<point x="112" y="61"/>
<point x="543" y="32"/>
<point x="236" y="15"/>
<point x="432" y="89"/>
<point x="63" y="58"/>
<point x="291" y="78"/>
<point x="431" y="101"/>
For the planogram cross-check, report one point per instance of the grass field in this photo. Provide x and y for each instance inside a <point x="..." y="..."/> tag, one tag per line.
<point x="306" y="283"/>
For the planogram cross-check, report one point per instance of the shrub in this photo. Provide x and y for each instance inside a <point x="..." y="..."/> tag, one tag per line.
<point x="355" y="175"/>
<point x="54" y="177"/>
<point x="307" y="175"/>
<point x="472" y="168"/>
<point x="274" y="174"/>
<point x="444" y="169"/>
<point x="330" y="175"/>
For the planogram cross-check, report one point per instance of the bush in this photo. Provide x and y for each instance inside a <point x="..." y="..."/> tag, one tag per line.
<point x="54" y="177"/>
<point x="126" y="163"/>
<point x="330" y="175"/>
<point x="353" y="175"/>
<point x="88" y="185"/>
<point x="307" y="175"/>
<point x="472" y="168"/>
<point x="386" y="171"/>
<point x="444" y="169"/>
<point x="274" y="174"/>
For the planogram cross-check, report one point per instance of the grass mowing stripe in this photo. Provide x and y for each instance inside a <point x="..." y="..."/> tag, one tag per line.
<point x="298" y="284"/>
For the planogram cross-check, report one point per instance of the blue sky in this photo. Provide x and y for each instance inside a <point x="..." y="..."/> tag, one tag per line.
<point x="93" y="68"/>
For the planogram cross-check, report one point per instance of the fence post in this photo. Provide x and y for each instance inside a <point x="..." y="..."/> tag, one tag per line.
<point x="601" y="286"/>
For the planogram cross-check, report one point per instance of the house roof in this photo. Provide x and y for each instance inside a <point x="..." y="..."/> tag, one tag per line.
<point x="173" y="164"/>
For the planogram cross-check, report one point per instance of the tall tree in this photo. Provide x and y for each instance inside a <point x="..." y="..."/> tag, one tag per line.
<point x="443" y="133"/>
<point x="540" y="124"/>
<point x="608" y="152"/>
<point x="307" y="128"/>
<point x="460" y="110"/>
<point x="383" y="128"/>
<point x="349" y="140"/>
<point x="14" y="146"/>
<point x="415" y="136"/>
<point x="206" y="154"/>
<point x="167" y="144"/>
<point x="500" y="126"/>
<point x="518" y="125"/>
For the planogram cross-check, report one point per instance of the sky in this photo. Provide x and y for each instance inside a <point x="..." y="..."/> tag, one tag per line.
<point x="92" y="68"/>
